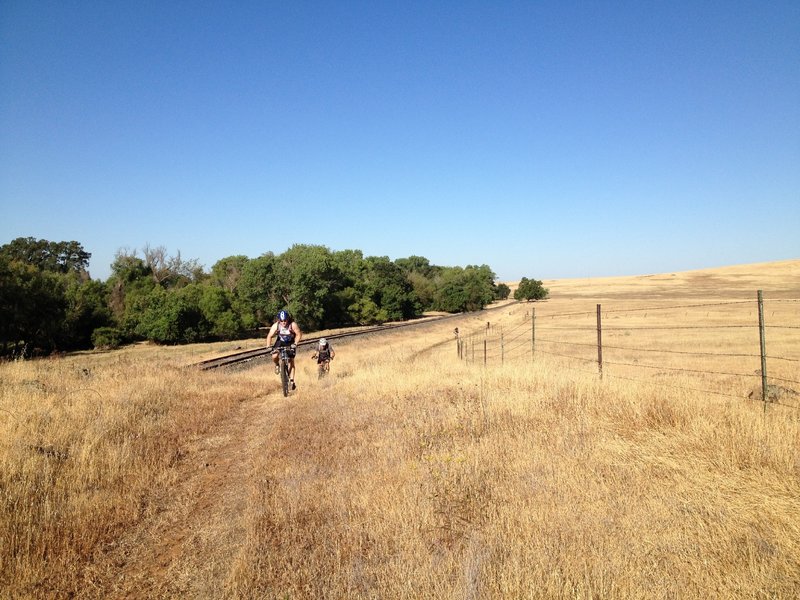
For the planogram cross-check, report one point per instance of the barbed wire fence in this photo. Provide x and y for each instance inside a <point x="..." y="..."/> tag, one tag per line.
<point x="716" y="348"/>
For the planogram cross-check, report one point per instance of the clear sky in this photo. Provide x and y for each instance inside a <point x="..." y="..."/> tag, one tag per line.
<point x="544" y="139"/>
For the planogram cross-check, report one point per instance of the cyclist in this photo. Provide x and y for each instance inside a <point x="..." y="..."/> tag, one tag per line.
<point x="324" y="354"/>
<point x="288" y="334"/>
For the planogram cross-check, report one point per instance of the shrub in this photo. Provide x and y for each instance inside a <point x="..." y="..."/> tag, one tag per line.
<point x="107" y="338"/>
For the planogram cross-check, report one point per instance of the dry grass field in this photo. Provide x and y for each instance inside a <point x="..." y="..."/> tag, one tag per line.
<point x="417" y="471"/>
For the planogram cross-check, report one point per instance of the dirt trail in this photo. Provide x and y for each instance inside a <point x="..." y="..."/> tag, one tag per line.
<point x="189" y="545"/>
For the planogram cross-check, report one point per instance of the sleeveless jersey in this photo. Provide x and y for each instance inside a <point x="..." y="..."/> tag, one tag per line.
<point x="286" y="333"/>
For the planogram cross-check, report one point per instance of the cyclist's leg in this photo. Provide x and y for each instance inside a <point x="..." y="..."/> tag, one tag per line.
<point x="291" y="372"/>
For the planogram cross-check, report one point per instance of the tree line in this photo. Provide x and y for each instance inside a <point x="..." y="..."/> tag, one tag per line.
<point x="48" y="301"/>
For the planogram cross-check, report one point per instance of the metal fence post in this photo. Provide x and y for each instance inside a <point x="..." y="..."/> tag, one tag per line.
<point x="763" y="348"/>
<point x="599" y="343"/>
<point x="533" y="333"/>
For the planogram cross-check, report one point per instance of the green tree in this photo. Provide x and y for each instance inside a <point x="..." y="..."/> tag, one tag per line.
<point x="256" y="298"/>
<point x="502" y="291"/>
<point x="383" y="293"/>
<point x="530" y="289"/>
<point x="226" y="272"/>
<point x="467" y="289"/>
<point x="48" y="299"/>
<point x="143" y="301"/>
<point x="130" y="284"/>
<point x="128" y="267"/>
<point x="424" y="278"/>
<point x="424" y="289"/>
<point x="129" y="274"/>
<point x="342" y="304"/>
<point x="87" y="309"/>
<point x="172" y="316"/>
<point x="217" y="309"/>
<point x="419" y="265"/>
<point x="32" y="307"/>
<point x="56" y="257"/>
<point x="450" y="295"/>
<point x="305" y="277"/>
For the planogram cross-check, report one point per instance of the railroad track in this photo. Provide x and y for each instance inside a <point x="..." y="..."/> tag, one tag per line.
<point x="240" y="358"/>
<point x="246" y="356"/>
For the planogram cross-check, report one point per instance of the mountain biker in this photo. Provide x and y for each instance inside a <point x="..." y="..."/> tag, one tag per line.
<point x="324" y="351"/>
<point x="288" y="334"/>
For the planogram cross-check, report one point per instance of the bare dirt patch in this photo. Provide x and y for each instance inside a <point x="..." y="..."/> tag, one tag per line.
<point x="187" y="544"/>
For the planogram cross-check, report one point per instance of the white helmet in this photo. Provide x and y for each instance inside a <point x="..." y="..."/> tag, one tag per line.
<point x="323" y="342"/>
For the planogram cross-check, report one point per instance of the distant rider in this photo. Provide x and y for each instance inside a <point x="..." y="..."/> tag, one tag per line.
<point x="288" y="334"/>
<point x="324" y="351"/>
<point x="324" y="355"/>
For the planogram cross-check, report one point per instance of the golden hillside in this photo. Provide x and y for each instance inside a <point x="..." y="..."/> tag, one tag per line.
<point x="777" y="279"/>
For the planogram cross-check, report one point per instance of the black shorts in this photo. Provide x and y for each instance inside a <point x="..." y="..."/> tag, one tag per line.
<point x="289" y="351"/>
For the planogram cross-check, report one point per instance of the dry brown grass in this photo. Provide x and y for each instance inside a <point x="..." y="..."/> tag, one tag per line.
<point x="521" y="481"/>
<point x="407" y="473"/>
<point x="84" y="442"/>
<point x="778" y="279"/>
<point x="696" y="330"/>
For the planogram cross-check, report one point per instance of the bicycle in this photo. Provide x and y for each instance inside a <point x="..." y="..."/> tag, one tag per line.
<point x="284" y="365"/>
<point x="323" y="368"/>
<point x="323" y="364"/>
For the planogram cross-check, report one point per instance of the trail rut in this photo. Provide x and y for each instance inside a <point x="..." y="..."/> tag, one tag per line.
<point x="189" y="544"/>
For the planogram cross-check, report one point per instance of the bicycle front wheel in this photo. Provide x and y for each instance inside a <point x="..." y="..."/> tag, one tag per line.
<point x="285" y="377"/>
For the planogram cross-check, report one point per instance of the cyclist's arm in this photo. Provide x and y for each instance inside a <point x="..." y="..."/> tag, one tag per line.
<point x="298" y="335"/>
<point x="272" y="331"/>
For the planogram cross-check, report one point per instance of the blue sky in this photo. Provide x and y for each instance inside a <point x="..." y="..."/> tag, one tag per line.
<point x="545" y="139"/>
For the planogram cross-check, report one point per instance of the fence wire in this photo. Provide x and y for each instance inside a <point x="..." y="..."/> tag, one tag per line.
<point x="523" y="340"/>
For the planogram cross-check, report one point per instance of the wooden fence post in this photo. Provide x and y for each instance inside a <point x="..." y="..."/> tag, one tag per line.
<point x="533" y="332"/>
